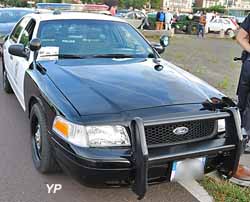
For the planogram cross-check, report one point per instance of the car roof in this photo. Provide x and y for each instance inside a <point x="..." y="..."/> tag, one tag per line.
<point x="74" y="16"/>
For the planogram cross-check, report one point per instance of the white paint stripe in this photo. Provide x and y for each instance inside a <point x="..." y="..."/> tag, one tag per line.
<point x="196" y="190"/>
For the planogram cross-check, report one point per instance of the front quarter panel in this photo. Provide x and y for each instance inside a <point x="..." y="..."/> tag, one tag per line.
<point x="39" y="88"/>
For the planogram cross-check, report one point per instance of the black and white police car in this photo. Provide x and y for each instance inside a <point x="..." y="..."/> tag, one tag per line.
<point x="105" y="107"/>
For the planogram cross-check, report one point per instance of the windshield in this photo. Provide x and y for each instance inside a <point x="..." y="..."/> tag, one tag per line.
<point x="93" y="37"/>
<point x="12" y="16"/>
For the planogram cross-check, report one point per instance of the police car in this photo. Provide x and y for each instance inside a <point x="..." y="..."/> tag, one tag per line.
<point x="106" y="108"/>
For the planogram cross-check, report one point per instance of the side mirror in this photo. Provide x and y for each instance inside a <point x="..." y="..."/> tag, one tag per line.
<point x="35" y="45"/>
<point x="158" y="47"/>
<point x="18" y="50"/>
<point x="164" y="41"/>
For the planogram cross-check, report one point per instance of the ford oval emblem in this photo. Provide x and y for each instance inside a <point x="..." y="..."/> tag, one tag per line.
<point x="180" y="130"/>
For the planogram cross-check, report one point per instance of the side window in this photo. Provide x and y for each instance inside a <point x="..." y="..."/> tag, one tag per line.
<point x="25" y="38"/>
<point x="16" y="32"/>
<point x="27" y="33"/>
<point x="18" y="29"/>
<point x="130" y="16"/>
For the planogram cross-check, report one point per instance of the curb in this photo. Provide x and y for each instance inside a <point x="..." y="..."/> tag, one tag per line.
<point x="194" y="188"/>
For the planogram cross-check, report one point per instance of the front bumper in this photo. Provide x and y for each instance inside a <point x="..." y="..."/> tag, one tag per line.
<point x="139" y="164"/>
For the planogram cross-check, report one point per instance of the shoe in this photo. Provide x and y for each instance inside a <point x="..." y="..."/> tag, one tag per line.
<point x="242" y="173"/>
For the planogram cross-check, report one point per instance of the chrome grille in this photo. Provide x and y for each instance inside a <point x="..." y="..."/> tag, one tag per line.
<point x="163" y="134"/>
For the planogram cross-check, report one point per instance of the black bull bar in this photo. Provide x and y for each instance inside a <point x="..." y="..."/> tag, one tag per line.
<point x="232" y="145"/>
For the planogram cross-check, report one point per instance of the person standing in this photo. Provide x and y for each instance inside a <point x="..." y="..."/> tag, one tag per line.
<point x="112" y="10"/>
<point x="201" y="25"/>
<point x="168" y="19"/>
<point x="160" y="19"/>
<point x="243" y="91"/>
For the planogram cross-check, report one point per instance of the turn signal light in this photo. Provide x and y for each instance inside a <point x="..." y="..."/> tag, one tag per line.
<point x="61" y="127"/>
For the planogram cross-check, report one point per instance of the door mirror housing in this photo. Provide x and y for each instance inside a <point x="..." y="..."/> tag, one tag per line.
<point x="158" y="47"/>
<point x="35" y="45"/>
<point x="164" y="41"/>
<point x="18" y="50"/>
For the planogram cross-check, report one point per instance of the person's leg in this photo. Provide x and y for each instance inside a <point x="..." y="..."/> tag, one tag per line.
<point x="161" y="26"/>
<point x="157" y="25"/>
<point x="243" y="172"/>
<point x="198" y="30"/>
<point x="202" y="31"/>
<point x="243" y="87"/>
<point x="166" y="26"/>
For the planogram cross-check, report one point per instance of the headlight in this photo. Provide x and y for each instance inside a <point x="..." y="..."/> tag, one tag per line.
<point x="91" y="136"/>
<point x="221" y="125"/>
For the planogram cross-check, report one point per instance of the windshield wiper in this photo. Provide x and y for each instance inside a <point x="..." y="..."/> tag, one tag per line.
<point x="64" y="56"/>
<point x="113" y="56"/>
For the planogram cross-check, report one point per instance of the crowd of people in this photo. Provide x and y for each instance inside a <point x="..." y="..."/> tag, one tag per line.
<point x="165" y="19"/>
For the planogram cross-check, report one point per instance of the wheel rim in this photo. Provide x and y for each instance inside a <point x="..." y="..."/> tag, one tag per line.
<point x="37" y="141"/>
<point x="231" y="33"/>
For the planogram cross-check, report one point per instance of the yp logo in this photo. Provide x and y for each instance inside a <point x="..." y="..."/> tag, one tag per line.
<point x="53" y="188"/>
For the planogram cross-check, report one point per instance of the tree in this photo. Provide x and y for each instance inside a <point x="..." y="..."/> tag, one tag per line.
<point x="14" y="3"/>
<point x="132" y="3"/>
<point x="156" y="4"/>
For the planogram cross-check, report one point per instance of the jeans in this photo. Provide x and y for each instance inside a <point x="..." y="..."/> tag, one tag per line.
<point x="243" y="93"/>
<point x="201" y="30"/>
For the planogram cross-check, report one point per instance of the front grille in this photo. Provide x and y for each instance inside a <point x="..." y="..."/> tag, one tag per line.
<point x="163" y="134"/>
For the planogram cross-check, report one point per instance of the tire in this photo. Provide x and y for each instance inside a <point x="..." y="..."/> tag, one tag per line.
<point x="6" y="84"/>
<point x="192" y="29"/>
<point x="42" y="153"/>
<point x="230" y="33"/>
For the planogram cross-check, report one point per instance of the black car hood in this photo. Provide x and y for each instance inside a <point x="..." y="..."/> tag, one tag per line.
<point x="98" y="86"/>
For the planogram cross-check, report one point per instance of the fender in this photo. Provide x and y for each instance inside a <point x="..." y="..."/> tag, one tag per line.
<point x="39" y="88"/>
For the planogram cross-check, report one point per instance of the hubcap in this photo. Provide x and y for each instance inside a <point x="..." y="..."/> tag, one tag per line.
<point x="38" y="140"/>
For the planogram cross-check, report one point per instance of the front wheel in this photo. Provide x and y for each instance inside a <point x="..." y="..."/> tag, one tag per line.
<point x="42" y="153"/>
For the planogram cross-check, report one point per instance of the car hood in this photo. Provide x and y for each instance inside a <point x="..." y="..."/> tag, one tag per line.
<point x="100" y="86"/>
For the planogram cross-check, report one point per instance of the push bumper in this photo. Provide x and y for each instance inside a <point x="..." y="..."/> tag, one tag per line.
<point x="138" y="164"/>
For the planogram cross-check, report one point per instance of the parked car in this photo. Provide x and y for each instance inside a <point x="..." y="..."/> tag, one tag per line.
<point x="225" y="24"/>
<point x="135" y="18"/>
<point x="121" y="13"/>
<point x="105" y="107"/>
<point x="9" y="17"/>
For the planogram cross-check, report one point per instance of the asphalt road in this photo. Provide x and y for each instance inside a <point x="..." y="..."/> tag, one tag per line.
<point x="20" y="182"/>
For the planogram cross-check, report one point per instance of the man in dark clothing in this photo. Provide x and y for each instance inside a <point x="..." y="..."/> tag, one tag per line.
<point x="243" y="91"/>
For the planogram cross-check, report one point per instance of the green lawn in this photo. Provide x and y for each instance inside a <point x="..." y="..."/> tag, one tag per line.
<point x="224" y="191"/>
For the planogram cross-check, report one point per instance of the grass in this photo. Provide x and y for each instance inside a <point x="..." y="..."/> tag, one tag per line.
<point x="224" y="191"/>
<point x="224" y="83"/>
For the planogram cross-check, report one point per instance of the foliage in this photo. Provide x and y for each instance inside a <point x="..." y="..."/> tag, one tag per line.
<point x="132" y="3"/>
<point x="218" y="8"/>
<point x="156" y="4"/>
<point x="14" y="3"/>
<point x="224" y="191"/>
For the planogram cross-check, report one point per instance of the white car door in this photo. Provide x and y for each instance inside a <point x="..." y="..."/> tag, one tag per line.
<point x="226" y="24"/>
<point x="23" y="63"/>
<point x="215" y="25"/>
<point x="10" y="60"/>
